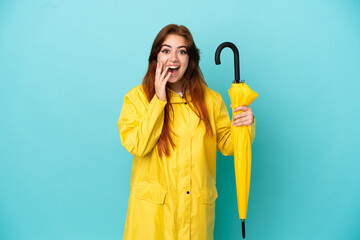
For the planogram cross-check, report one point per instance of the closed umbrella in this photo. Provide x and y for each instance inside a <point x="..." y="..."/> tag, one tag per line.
<point x="240" y="94"/>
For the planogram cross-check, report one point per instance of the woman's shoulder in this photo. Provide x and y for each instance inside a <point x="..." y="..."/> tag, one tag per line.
<point x="136" y="96"/>
<point x="213" y="99"/>
<point x="212" y="94"/>
<point x="136" y="93"/>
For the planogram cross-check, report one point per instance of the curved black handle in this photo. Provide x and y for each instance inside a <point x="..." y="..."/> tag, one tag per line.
<point x="236" y="58"/>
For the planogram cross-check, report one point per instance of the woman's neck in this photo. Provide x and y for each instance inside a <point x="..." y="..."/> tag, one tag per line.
<point x="176" y="87"/>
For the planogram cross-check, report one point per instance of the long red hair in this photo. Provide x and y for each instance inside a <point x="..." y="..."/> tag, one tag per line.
<point x="193" y="82"/>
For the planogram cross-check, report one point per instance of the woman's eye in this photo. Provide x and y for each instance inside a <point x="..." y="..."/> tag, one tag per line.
<point x="182" y="52"/>
<point x="165" y="51"/>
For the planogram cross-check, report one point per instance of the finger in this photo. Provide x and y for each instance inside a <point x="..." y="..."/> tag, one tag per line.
<point x="243" y="114"/>
<point x="248" y="120"/>
<point x="248" y="123"/>
<point x="241" y="108"/>
<point x="242" y="122"/>
<point x="242" y="119"/>
<point x="167" y="77"/>
<point x="164" y="73"/>
<point x="165" y="80"/>
<point x="158" y="70"/>
<point x="240" y="115"/>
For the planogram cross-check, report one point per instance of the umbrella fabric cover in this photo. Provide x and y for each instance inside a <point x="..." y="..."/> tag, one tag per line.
<point x="241" y="94"/>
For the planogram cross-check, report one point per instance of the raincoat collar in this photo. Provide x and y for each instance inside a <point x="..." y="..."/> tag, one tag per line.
<point x="175" y="97"/>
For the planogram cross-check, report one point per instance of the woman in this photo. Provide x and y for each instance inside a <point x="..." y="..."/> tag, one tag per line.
<point x="173" y="124"/>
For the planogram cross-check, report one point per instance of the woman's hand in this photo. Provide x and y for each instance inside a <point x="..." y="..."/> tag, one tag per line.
<point x="161" y="79"/>
<point x="244" y="118"/>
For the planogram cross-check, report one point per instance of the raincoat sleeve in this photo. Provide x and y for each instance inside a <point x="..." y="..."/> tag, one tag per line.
<point x="140" y="125"/>
<point x="223" y="131"/>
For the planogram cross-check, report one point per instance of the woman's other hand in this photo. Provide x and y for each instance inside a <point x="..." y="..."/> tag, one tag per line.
<point x="244" y="118"/>
<point x="161" y="78"/>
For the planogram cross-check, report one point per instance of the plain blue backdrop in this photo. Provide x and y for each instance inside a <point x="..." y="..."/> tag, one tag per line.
<point x="65" y="67"/>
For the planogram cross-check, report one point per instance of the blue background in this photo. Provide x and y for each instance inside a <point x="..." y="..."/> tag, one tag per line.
<point x="66" y="65"/>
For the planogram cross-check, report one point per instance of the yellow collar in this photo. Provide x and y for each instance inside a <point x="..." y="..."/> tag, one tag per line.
<point x="175" y="97"/>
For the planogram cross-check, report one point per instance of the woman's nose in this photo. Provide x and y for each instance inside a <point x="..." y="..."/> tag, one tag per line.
<point x="173" y="57"/>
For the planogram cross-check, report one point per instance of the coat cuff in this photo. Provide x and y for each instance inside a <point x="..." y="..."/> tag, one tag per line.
<point x="156" y="104"/>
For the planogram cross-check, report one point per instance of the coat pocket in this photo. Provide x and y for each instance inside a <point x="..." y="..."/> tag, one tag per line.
<point x="151" y="193"/>
<point x="208" y="195"/>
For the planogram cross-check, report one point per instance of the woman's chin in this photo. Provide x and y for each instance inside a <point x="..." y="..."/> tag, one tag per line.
<point x="173" y="79"/>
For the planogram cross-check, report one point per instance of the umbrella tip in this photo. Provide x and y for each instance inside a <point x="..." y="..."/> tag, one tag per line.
<point x="243" y="228"/>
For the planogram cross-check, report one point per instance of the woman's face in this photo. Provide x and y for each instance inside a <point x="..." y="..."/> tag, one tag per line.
<point x="173" y="53"/>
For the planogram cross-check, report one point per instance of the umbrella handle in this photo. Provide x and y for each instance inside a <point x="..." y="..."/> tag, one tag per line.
<point x="243" y="228"/>
<point x="236" y="58"/>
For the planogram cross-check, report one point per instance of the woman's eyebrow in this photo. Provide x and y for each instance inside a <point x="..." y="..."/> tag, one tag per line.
<point x="165" y="45"/>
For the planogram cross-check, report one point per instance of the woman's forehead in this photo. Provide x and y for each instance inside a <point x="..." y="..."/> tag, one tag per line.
<point x="175" y="41"/>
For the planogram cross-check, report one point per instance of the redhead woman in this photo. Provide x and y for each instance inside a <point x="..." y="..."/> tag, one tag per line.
<point x="173" y="124"/>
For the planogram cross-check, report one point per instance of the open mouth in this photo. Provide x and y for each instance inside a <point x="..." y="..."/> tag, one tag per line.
<point x="173" y="69"/>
